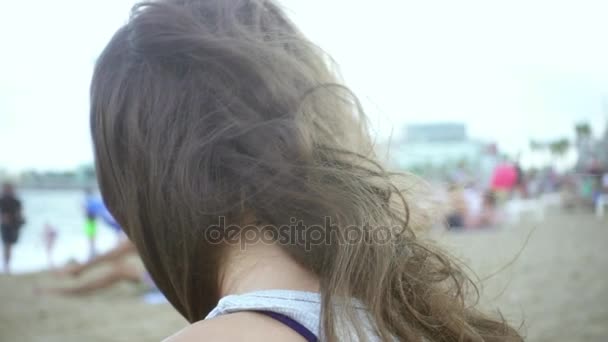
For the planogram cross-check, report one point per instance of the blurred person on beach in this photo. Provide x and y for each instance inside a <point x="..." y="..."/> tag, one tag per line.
<point x="550" y="180"/>
<point x="460" y="175"/>
<point x="213" y="120"/>
<point x="596" y="172"/>
<point x="471" y="208"/>
<point x="569" y="194"/>
<point x="458" y="208"/>
<point x="120" y="270"/>
<point x="49" y="237"/>
<point x="504" y="180"/>
<point x="108" y="219"/>
<point x="488" y="216"/>
<point x="91" y="209"/>
<point x="11" y="221"/>
<point x="521" y="183"/>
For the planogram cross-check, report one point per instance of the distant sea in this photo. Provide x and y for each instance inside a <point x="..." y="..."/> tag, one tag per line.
<point x="63" y="209"/>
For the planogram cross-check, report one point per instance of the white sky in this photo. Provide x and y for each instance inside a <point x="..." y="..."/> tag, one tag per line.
<point x="511" y="70"/>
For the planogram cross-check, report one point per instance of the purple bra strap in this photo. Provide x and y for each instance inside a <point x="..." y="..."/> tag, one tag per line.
<point x="294" y="325"/>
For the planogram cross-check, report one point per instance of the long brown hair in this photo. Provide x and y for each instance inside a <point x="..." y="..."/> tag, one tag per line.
<point x="202" y="109"/>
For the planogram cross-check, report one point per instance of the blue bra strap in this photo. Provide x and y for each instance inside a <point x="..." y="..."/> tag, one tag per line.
<point x="294" y="325"/>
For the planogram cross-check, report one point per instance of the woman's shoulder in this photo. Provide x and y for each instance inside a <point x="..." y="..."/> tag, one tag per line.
<point x="240" y="326"/>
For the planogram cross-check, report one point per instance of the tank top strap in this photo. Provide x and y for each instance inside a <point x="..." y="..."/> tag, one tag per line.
<point x="294" y="325"/>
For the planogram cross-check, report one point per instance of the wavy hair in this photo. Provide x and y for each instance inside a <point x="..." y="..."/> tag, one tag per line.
<point x="203" y="109"/>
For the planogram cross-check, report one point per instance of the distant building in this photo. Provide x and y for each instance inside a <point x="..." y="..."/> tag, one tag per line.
<point x="436" y="150"/>
<point x="441" y="132"/>
<point x="436" y="154"/>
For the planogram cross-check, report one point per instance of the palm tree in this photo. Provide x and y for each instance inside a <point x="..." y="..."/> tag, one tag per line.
<point x="583" y="143"/>
<point x="583" y="131"/>
<point x="559" y="148"/>
<point x="536" y="146"/>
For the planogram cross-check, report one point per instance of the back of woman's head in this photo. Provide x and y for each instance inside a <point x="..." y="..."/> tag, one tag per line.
<point x="209" y="109"/>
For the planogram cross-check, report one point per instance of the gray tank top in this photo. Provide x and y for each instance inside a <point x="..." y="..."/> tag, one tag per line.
<point x="302" y="307"/>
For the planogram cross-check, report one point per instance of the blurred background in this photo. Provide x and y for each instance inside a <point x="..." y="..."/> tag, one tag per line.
<point x="501" y="106"/>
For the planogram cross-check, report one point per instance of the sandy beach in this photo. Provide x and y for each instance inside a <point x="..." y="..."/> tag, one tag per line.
<point x="557" y="287"/>
<point x="116" y="314"/>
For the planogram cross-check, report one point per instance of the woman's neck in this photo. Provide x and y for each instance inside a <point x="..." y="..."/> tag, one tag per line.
<point x="263" y="267"/>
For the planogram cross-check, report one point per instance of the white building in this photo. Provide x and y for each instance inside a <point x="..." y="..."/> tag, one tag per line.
<point x="435" y="150"/>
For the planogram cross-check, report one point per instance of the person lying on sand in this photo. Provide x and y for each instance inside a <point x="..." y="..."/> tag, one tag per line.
<point x="120" y="271"/>
<point x="471" y="209"/>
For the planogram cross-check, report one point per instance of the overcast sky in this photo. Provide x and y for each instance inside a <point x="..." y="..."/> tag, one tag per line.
<point x="511" y="70"/>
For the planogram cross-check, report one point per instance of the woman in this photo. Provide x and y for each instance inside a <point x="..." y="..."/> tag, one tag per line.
<point x="238" y="166"/>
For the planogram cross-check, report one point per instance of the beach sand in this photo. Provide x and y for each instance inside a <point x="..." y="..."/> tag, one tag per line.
<point x="115" y="314"/>
<point x="550" y="276"/>
<point x="557" y="287"/>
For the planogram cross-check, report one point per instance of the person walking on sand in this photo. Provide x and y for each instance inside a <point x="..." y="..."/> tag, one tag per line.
<point x="49" y="237"/>
<point x="90" y="223"/>
<point x="11" y="221"/>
